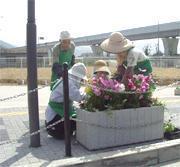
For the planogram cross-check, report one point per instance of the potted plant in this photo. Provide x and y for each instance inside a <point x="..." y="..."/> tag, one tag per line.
<point x="170" y="130"/>
<point x="177" y="90"/>
<point x="113" y="115"/>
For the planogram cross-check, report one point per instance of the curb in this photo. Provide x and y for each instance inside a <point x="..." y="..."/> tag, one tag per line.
<point x="149" y="154"/>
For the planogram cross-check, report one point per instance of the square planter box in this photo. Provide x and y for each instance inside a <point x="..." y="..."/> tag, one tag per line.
<point x="177" y="91"/>
<point x="119" y="127"/>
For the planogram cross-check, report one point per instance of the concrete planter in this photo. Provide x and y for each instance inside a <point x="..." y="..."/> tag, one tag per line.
<point x="119" y="127"/>
<point x="177" y="91"/>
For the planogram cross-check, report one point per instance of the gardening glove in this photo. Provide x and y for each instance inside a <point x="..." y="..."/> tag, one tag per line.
<point x="57" y="69"/>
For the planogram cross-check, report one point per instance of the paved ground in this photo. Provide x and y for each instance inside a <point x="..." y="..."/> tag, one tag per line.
<point x="175" y="163"/>
<point x="14" y="124"/>
<point x="7" y="91"/>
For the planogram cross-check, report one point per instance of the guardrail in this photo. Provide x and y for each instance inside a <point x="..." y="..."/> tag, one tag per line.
<point x="44" y="62"/>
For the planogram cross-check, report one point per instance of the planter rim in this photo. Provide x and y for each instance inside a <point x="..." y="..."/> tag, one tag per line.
<point x="108" y="110"/>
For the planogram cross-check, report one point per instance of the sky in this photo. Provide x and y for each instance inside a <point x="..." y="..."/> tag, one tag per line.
<point x="82" y="17"/>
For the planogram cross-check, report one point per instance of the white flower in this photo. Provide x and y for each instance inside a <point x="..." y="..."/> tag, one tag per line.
<point x="121" y="88"/>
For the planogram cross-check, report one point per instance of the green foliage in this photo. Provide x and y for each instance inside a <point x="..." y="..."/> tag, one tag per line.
<point x="178" y="88"/>
<point x="147" y="50"/>
<point x="169" y="127"/>
<point x="156" y="102"/>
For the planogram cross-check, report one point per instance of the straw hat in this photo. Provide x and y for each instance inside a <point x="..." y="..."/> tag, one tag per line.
<point x="79" y="70"/>
<point x="65" y="35"/>
<point x="101" y="66"/>
<point x="116" y="43"/>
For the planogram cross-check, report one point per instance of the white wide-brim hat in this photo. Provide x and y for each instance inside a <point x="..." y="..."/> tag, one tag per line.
<point x="116" y="43"/>
<point x="65" y="35"/>
<point x="79" y="70"/>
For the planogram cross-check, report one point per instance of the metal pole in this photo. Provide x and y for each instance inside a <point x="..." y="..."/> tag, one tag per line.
<point x="21" y="59"/>
<point x="66" y="111"/>
<point x="158" y="37"/>
<point x="32" y="75"/>
<point x="44" y="61"/>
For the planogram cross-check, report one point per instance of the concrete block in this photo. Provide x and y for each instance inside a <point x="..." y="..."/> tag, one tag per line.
<point x="142" y="159"/>
<point x="108" y="129"/>
<point x="169" y="153"/>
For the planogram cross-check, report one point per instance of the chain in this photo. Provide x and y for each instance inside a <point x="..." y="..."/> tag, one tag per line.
<point x="23" y="94"/>
<point x="170" y="85"/>
<point x="83" y="83"/>
<point x="33" y="133"/>
<point x="77" y="120"/>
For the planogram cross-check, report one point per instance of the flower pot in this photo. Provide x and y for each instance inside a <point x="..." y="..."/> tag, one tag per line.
<point x="172" y="135"/>
<point x="104" y="129"/>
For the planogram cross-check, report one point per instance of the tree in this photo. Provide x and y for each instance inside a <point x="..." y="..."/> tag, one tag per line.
<point x="147" y="50"/>
<point x="157" y="51"/>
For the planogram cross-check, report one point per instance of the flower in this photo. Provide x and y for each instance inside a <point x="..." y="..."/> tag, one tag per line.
<point x="106" y="93"/>
<point x="131" y="85"/>
<point x="96" y="91"/>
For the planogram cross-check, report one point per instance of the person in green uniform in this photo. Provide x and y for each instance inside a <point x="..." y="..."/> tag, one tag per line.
<point x="130" y="60"/>
<point x="55" y="108"/>
<point x="62" y="52"/>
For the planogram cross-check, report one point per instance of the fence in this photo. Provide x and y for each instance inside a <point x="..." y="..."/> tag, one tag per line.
<point x="21" y="62"/>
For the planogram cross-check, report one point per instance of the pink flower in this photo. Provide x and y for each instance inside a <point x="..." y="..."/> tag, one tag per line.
<point x="143" y="89"/>
<point x="116" y="87"/>
<point x="138" y="90"/>
<point x="140" y="77"/>
<point x="111" y="84"/>
<point x="104" y="82"/>
<point x="131" y="85"/>
<point x="96" y="91"/>
<point x="94" y="81"/>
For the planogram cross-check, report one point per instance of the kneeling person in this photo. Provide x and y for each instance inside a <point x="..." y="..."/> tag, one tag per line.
<point x="55" y="110"/>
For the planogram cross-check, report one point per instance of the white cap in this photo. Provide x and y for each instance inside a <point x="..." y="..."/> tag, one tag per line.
<point x="65" y="35"/>
<point x="79" y="70"/>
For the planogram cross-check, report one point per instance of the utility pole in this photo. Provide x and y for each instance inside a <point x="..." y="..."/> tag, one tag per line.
<point x="32" y="75"/>
<point x="158" y="38"/>
<point x="1" y="17"/>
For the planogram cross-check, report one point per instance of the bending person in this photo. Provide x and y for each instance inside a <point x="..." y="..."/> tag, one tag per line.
<point x="55" y="109"/>
<point x="130" y="60"/>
